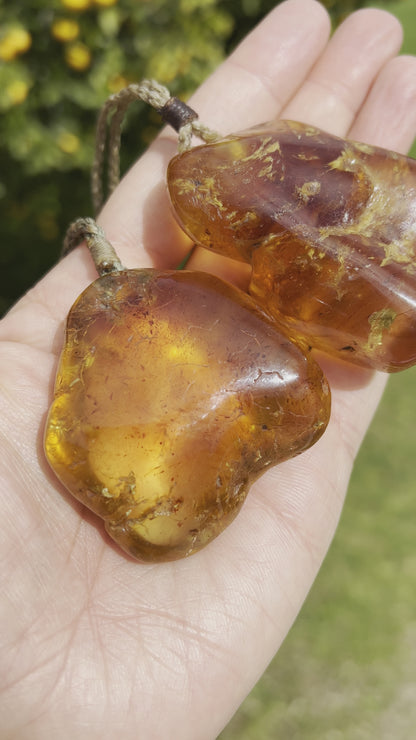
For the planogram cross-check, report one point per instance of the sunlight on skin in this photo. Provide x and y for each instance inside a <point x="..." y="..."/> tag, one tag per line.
<point x="92" y="643"/>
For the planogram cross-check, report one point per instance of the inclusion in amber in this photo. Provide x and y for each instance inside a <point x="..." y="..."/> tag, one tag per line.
<point x="173" y="394"/>
<point x="328" y="225"/>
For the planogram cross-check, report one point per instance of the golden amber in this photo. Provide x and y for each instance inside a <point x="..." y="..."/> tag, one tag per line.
<point x="328" y="225"/>
<point x="173" y="394"/>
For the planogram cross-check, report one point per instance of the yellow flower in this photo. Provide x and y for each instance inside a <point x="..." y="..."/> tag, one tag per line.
<point x="14" y="42"/>
<point x="105" y="3"/>
<point x="78" y="56"/>
<point x="17" y="91"/>
<point x="68" y="143"/>
<point x="65" y="29"/>
<point x="76" y="4"/>
<point x="116" y="83"/>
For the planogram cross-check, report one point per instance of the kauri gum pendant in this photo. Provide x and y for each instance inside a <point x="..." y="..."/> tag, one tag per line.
<point x="173" y="394"/>
<point x="328" y="225"/>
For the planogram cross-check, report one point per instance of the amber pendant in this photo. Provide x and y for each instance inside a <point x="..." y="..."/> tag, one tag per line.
<point x="173" y="394"/>
<point x="328" y="225"/>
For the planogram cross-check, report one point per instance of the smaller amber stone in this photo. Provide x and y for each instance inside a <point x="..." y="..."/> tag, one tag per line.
<point x="172" y="395"/>
<point x="328" y="225"/>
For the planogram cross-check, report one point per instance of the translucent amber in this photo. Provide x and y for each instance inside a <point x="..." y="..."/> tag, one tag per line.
<point x="173" y="394"/>
<point x="328" y="225"/>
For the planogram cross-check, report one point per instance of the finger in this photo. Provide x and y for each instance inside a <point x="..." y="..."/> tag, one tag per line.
<point x="388" y="116"/>
<point x="338" y="84"/>
<point x="260" y="77"/>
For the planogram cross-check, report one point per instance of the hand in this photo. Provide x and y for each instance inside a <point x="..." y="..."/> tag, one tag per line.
<point x="94" y="645"/>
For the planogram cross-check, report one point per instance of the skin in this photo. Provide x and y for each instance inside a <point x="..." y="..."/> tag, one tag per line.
<point x="92" y="643"/>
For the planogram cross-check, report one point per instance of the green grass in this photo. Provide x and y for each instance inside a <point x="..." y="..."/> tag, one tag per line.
<point x="405" y="10"/>
<point x="347" y="670"/>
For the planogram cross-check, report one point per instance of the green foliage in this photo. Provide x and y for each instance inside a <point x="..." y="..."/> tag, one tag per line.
<point x="59" y="61"/>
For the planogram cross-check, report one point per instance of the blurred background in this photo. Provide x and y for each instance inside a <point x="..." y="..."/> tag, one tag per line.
<point x="348" y="668"/>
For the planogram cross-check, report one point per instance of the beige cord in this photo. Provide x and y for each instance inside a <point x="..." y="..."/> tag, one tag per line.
<point x="172" y="110"/>
<point x="102" y="252"/>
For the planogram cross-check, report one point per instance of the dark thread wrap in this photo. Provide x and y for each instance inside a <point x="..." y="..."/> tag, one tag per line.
<point x="176" y="113"/>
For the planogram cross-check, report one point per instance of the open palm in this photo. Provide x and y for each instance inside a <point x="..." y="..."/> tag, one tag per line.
<point x="93" y="644"/>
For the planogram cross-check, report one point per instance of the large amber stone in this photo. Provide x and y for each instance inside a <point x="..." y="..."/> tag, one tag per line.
<point x="328" y="225"/>
<point x="173" y="394"/>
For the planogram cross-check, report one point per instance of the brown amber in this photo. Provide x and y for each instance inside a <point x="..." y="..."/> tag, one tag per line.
<point x="328" y="225"/>
<point x="173" y="394"/>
